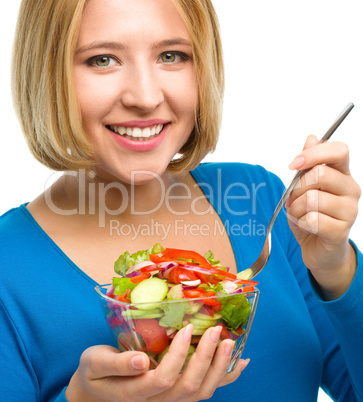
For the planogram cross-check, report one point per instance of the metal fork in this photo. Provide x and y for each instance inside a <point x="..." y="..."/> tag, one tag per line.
<point x="261" y="261"/>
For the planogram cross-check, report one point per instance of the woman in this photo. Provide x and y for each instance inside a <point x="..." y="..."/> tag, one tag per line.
<point x="125" y="97"/>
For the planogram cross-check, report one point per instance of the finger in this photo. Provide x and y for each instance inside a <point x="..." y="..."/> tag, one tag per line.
<point x="327" y="179"/>
<point x="335" y="154"/>
<point x="198" y="365"/>
<point x="216" y="375"/>
<point x="201" y="360"/>
<point x="155" y="383"/>
<point x="106" y="361"/>
<point x="341" y="208"/>
<point x="168" y="371"/>
<point x="231" y="377"/>
<point x="227" y="379"/>
<point x="311" y="141"/>
<point x="332" y="231"/>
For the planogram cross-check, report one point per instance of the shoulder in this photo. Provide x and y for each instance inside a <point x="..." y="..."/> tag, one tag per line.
<point x="238" y="177"/>
<point x="14" y="221"/>
<point x="17" y="233"/>
<point x="234" y="170"/>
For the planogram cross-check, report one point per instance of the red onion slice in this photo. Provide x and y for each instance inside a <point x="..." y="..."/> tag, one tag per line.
<point x="138" y="266"/>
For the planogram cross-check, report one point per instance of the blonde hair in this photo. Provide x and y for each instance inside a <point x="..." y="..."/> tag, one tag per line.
<point x="44" y="94"/>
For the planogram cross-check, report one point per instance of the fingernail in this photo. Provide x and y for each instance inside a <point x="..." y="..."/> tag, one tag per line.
<point x="246" y="361"/>
<point x="138" y="362"/>
<point x="297" y="163"/>
<point x="187" y="332"/>
<point x="215" y="333"/>
<point x="288" y="202"/>
<point x="228" y="348"/>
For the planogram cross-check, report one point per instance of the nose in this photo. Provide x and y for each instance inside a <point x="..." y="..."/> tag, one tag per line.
<point x="142" y="90"/>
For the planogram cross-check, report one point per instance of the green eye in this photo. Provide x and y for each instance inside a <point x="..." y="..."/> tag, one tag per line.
<point x="169" y="57"/>
<point x="103" y="61"/>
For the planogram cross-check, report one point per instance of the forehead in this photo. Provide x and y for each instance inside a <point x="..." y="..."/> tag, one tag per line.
<point x="131" y="21"/>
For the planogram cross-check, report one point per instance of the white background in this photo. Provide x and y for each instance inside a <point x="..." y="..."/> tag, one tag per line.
<point x="291" y="67"/>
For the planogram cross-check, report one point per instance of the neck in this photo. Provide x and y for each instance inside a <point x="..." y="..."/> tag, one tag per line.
<point x="76" y="193"/>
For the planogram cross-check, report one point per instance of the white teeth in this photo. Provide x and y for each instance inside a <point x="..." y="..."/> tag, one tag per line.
<point x="146" y="132"/>
<point x="137" y="132"/>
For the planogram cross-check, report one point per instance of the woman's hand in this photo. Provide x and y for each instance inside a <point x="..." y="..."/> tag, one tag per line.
<point x="105" y="374"/>
<point x="321" y="210"/>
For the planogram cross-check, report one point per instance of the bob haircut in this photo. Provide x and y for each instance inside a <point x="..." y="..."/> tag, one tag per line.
<point x="44" y="94"/>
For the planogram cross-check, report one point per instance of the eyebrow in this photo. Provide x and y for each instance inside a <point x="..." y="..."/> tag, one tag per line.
<point x="120" y="46"/>
<point x="171" y="42"/>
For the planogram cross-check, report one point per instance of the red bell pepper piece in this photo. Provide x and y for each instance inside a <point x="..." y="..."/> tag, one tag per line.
<point x="175" y="254"/>
<point x="140" y="278"/>
<point x="193" y="293"/>
<point x="247" y="282"/>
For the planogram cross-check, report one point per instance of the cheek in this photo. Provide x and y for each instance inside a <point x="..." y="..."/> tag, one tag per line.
<point x="94" y="96"/>
<point x="184" y="92"/>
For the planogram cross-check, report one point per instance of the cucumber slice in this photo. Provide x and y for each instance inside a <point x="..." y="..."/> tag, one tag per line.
<point x="201" y="316"/>
<point x="194" y="307"/>
<point x="202" y="323"/>
<point x="198" y="330"/>
<point x="246" y="274"/>
<point x="149" y="291"/>
<point x="130" y="314"/>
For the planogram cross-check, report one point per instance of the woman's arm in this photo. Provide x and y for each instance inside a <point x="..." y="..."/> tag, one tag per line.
<point x="321" y="210"/>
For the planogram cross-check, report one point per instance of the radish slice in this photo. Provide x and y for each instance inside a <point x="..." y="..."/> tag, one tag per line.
<point x="138" y="266"/>
<point x="191" y="283"/>
<point x="229" y="286"/>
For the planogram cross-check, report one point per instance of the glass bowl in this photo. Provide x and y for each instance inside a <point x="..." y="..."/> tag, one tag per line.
<point x="150" y="327"/>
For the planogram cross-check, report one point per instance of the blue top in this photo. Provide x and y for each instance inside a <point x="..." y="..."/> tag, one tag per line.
<point x="50" y="312"/>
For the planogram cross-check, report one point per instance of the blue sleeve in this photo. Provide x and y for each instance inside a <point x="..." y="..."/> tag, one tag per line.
<point x="346" y="316"/>
<point x="15" y="364"/>
<point x="62" y="396"/>
<point x="339" y="325"/>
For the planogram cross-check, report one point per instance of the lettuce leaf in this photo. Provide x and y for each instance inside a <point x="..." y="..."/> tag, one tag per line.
<point x="120" y="285"/>
<point x="235" y="310"/>
<point x="210" y="257"/>
<point x="125" y="261"/>
<point x="174" y="314"/>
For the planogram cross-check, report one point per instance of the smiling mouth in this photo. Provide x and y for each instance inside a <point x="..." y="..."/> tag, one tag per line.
<point x="137" y="133"/>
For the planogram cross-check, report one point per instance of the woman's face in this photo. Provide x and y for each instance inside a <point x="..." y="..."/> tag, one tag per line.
<point x="136" y="85"/>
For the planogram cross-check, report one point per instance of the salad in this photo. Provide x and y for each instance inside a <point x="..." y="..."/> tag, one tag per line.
<point x="161" y="290"/>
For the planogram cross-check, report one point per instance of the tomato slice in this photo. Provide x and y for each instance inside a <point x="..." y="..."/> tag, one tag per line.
<point x="204" y="278"/>
<point x="224" y="332"/>
<point x="178" y="274"/>
<point x="150" y="268"/>
<point x="154" y="336"/>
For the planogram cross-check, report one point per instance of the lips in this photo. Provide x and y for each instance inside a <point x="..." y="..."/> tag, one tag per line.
<point x="140" y="136"/>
